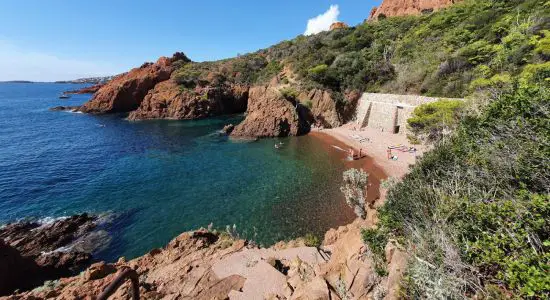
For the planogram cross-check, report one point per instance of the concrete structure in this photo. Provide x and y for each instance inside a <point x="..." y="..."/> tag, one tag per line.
<point x="388" y="112"/>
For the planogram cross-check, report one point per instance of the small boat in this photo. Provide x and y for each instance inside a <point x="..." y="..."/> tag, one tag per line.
<point x="64" y="96"/>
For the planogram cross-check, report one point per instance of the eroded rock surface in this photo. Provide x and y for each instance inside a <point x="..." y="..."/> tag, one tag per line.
<point x="168" y="100"/>
<point x="126" y="92"/>
<point x="33" y="252"/>
<point x="392" y="8"/>
<point x="269" y="114"/>
<point x="206" y="265"/>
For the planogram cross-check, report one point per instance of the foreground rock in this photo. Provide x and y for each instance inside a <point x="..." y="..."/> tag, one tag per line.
<point x="269" y="114"/>
<point x="87" y="90"/>
<point x="205" y="265"/>
<point x="125" y="92"/>
<point x="169" y="101"/>
<point x="34" y="252"/>
<point x="392" y="8"/>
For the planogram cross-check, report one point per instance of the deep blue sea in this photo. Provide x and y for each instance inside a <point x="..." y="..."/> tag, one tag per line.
<point x="157" y="179"/>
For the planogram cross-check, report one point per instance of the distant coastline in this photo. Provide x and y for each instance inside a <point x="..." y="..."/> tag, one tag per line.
<point x="89" y="80"/>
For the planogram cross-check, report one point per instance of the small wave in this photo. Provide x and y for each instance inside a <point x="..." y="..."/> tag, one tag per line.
<point x="46" y="221"/>
<point x="338" y="148"/>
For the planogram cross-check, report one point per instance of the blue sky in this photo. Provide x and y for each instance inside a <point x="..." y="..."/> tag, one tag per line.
<point x="56" y="40"/>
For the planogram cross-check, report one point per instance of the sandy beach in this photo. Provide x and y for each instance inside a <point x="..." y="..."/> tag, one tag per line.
<point x="374" y="144"/>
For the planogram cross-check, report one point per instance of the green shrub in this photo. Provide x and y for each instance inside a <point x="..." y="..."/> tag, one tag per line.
<point x="376" y="241"/>
<point x="431" y="121"/>
<point x="289" y="93"/>
<point x="311" y="240"/>
<point x="354" y="188"/>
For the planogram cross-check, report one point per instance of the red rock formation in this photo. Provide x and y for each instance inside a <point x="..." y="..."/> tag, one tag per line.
<point x="269" y="114"/>
<point x="28" y="251"/>
<point x="87" y="90"/>
<point x="392" y="8"/>
<point x="168" y="101"/>
<point x="338" y="25"/>
<point x="125" y="92"/>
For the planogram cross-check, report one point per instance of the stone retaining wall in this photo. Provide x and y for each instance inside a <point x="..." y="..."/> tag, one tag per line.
<point x="388" y="112"/>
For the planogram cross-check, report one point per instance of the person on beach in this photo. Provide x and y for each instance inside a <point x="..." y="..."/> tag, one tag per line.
<point x="390" y="156"/>
<point x="360" y="150"/>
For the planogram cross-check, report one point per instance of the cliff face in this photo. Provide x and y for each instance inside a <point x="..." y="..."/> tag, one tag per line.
<point x="125" y="92"/>
<point x="168" y="101"/>
<point x="269" y="114"/>
<point x="392" y="8"/>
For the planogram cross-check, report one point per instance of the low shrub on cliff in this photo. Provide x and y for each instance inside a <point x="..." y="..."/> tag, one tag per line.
<point x="432" y="121"/>
<point x="355" y="190"/>
<point x="475" y="212"/>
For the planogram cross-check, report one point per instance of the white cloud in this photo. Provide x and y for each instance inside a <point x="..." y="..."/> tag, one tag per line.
<point x="18" y="64"/>
<point x="323" y="21"/>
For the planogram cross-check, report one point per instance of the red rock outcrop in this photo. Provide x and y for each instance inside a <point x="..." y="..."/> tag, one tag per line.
<point x="87" y="90"/>
<point x="168" y="101"/>
<point x="269" y="114"/>
<point x="29" y="251"/>
<point x="392" y="8"/>
<point x="338" y="25"/>
<point x="125" y="92"/>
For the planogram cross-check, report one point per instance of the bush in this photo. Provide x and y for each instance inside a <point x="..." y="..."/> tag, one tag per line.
<point x="432" y="121"/>
<point x="376" y="241"/>
<point x="354" y="189"/>
<point x="311" y="240"/>
<point x="289" y="93"/>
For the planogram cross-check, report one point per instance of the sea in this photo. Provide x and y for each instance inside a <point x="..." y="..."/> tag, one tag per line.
<point x="152" y="180"/>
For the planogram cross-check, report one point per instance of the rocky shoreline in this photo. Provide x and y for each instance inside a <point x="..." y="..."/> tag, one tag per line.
<point x="207" y="264"/>
<point x="36" y="251"/>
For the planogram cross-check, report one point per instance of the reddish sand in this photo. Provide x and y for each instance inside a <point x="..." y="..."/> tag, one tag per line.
<point x="376" y="146"/>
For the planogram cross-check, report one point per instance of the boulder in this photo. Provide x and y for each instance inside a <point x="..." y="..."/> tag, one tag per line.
<point x="269" y="114"/>
<point x="338" y="25"/>
<point x="42" y="251"/>
<point x="169" y="101"/>
<point x="392" y="8"/>
<point x="126" y="92"/>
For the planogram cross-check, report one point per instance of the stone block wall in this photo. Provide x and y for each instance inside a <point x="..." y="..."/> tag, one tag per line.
<point x="388" y="112"/>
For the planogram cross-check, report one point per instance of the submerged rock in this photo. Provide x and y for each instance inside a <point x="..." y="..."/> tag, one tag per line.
<point x="227" y="129"/>
<point x="65" y="108"/>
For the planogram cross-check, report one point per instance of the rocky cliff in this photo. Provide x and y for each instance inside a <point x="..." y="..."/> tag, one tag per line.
<point x="169" y="101"/>
<point x="125" y="92"/>
<point x="269" y="114"/>
<point x="31" y="252"/>
<point x="208" y="265"/>
<point x="392" y="8"/>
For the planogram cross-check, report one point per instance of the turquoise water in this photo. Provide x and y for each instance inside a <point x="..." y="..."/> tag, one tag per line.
<point x="159" y="178"/>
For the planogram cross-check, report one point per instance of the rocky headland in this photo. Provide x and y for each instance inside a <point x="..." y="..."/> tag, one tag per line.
<point x="125" y="92"/>
<point x="86" y="90"/>
<point x="33" y="252"/>
<point x="393" y="8"/>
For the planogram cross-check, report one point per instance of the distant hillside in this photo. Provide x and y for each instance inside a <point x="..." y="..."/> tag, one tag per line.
<point x="90" y="80"/>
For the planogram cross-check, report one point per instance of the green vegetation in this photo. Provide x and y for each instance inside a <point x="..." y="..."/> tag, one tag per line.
<point x="431" y="121"/>
<point x="474" y="212"/>
<point x="476" y="209"/>
<point x="376" y="241"/>
<point x="289" y="93"/>
<point x="354" y="188"/>
<point x="311" y="240"/>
